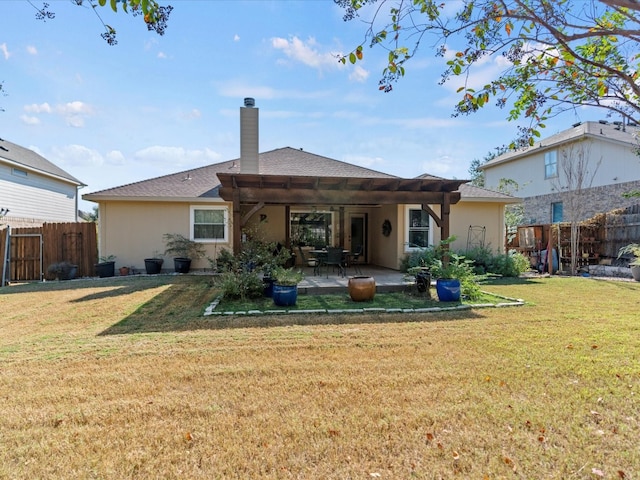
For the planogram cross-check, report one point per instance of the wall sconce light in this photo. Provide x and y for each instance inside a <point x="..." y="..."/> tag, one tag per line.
<point x="3" y="211"/>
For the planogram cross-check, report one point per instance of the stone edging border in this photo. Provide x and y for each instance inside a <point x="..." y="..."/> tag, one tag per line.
<point x="510" y="302"/>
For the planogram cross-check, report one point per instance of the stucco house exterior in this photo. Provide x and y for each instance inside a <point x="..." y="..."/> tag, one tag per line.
<point x="34" y="190"/>
<point x="294" y="197"/>
<point x="597" y="160"/>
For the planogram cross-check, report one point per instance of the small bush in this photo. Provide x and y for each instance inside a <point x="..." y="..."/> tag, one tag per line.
<point x="486" y="261"/>
<point x="241" y="284"/>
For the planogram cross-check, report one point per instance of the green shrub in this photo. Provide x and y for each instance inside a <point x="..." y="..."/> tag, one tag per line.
<point x="486" y="261"/>
<point x="418" y="258"/>
<point x="242" y="284"/>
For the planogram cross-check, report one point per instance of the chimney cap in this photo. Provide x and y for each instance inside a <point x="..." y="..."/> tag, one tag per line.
<point x="249" y="102"/>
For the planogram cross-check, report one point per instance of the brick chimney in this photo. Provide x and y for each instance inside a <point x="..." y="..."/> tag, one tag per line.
<point x="249" y="137"/>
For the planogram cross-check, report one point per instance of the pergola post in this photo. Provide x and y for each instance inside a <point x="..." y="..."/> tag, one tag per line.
<point x="236" y="223"/>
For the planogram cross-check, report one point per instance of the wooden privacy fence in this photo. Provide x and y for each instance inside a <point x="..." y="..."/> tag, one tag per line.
<point x="33" y="249"/>
<point x="621" y="228"/>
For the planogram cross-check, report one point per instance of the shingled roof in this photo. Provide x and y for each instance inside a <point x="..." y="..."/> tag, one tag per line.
<point x="478" y="194"/>
<point x="30" y="160"/>
<point x="203" y="182"/>
<point x="602" y="131"/>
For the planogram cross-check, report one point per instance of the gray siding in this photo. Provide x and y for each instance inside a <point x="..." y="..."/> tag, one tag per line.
<point x="36" y="196"/>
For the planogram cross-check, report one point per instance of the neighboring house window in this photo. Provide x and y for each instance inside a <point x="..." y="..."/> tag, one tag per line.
<point x="556" y="212"/>
<point x="312" y="228"/>
<point x="418" y="230"/>
<point x="19" y="173"/>
<point x="551" y="164"/>
<point x="209" y="224"/>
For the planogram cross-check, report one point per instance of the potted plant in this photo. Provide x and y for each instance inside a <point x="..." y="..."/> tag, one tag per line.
<point x="153" y="264"/>
<point x="632" y="249"/>
<point x="285" y="287"/>
<point x="454" y="277"/>
<point x="106" y="266"/>
<point x="124" y="271"/>
<point x="184" y="250"/>
<point x="63" y="270"/>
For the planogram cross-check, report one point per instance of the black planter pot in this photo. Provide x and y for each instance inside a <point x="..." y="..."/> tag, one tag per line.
<point x="267" y="283"/>
<point x="182" y="265"/>
<point x="105" y="269"/>
<point x="153" y="265"/>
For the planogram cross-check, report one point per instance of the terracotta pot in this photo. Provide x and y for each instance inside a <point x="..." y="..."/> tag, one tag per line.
<point x="362" y="288"/>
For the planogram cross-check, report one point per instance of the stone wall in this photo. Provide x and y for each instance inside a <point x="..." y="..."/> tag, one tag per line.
<point x="595" y="200"/>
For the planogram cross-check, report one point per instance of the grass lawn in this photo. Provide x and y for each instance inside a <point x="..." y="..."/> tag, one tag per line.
<point x="124" y="378"/>
<point x="387" y="301"/>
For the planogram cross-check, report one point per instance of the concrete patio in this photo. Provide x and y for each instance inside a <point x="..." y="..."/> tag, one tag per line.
<point x="387" y="280"/>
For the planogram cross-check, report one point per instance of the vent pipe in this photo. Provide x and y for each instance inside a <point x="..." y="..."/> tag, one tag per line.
<point x="249" y="137"/>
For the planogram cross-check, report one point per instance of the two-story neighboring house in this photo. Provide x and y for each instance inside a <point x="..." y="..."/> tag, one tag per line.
<point x="33" y="190"/>
<point x="573" y="175"/>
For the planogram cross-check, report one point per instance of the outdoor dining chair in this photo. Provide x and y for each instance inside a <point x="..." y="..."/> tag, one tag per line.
<point x="334" y="259"/>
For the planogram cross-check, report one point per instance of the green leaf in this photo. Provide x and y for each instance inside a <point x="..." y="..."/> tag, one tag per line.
<point x="102" y="2"/>
<point x="114" y="5"/>
<point x="352" y="58"/>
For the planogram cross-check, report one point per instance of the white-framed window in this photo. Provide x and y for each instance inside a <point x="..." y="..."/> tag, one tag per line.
<point x="551" y="164"/>
<point x="210" y="224"/>
<point x="418" y="233"/>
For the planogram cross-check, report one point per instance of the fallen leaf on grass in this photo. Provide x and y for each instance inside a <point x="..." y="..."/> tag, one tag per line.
<point x="621" y="474"/>
<point x="188" y="437"/>
<point x="598" y="472"/>
<point x="430" y="437"/>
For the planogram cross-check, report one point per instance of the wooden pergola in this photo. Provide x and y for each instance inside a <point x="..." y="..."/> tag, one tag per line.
<point x="257" y="190"/>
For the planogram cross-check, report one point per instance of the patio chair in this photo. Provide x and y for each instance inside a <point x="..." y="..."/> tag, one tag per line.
<point x="309" y="262"/>
<point x="334" y="259"/>
<point x="354" y="259"/>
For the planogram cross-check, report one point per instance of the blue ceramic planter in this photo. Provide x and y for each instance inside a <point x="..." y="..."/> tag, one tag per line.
<point x="285" y="295"/>
<point x="448" y="289"/>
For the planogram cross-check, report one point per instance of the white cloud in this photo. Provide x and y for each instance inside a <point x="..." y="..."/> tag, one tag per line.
<point x="31" y="50"/>
<point x="177" y="157"/>
<point x="307" y="52"/>
<point x="74" y="108"/>
<point x="29" y="120"/>
<point x="74" y="113"/>
<point x="115" y="157"/>
<point x="359" y="74"/>
<point x="365" y="161"/>
<point x="76" y="156"/>
<point x="5" y="51"/>
<point x="236" y="38"/>
<point x="162" y="55"/>
<point x="35" y="108"/>
<point x="191" y="115"/>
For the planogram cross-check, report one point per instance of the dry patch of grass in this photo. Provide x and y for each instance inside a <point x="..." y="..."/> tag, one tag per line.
<point x="549" y="390"/>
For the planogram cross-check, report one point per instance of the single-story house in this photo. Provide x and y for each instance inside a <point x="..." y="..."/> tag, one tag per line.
<point x="33" y="190"/>
<point x="295" y="198"/>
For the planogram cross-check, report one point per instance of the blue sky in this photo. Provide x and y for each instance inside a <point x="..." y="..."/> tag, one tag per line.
<point x="112" y="115"/>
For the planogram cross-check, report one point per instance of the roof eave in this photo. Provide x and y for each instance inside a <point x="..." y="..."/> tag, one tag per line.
<point x="155" y="199"/>
<point x="22" y="166"/>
